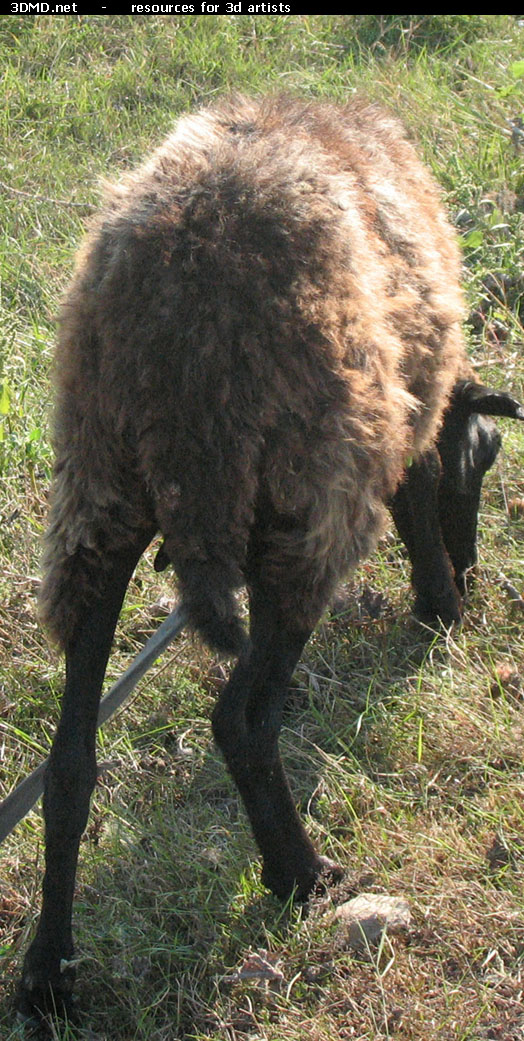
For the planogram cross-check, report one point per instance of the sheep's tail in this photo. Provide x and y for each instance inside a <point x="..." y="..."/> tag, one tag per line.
<point x="204" y="490"/>
<point x="81" y="543"/>
<point x="209" y="604"/>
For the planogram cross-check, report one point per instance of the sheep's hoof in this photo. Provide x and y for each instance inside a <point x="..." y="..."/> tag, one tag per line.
<point x="436" y="613"/>
<point x="35" y="1027"/>
<point x="45" y="992"/>
<point x="38" y="1008"/>
<point x="316" y="877"/>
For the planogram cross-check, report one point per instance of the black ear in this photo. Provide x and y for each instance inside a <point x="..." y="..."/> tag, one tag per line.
<point x="475" y="398"/>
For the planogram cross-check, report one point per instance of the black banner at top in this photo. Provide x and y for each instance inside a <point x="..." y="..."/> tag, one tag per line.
<point x="203" y="8"/>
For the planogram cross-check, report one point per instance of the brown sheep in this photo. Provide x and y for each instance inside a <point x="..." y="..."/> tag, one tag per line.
<point x="263" y="331"/>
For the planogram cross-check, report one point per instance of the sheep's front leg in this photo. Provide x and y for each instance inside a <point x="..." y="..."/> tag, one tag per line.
<point x="246" y="725"/>
<point x="48" y="974"/>
<point x="415" y="510"/>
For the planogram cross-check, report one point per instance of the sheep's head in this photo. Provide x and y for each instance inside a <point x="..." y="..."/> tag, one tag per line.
<point x="468" y="445"/>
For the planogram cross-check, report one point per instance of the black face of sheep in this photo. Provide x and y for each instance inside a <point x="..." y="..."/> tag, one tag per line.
<point x="436" y="506"/>
<point x="468" y="445"/>
<point x="263" y="326"/>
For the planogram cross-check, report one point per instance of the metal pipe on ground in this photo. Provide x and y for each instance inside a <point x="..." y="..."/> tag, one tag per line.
<point x="24" y="796"/>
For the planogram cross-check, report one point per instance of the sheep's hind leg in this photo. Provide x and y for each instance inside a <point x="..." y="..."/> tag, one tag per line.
<point x="246" y="724"/>
<point x="415" y="510"/>
<point x="48" y="973"/>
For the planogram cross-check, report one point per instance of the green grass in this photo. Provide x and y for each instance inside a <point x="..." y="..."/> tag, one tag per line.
<point x="405" y="753"/>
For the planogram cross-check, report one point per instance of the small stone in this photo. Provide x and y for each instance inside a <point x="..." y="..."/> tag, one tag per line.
<point x="516" y="508"/>
<point x="259" y="965"/>
<point x="507" y="680"/>
<point x="363" y="919"/>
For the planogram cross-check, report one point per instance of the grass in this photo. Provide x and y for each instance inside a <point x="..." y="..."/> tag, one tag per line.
<point x="405" y="752"/>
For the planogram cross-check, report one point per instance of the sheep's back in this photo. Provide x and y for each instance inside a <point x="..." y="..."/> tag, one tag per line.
<point x="270" y="301"/>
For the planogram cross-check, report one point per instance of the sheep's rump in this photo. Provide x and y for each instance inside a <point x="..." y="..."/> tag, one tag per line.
<point x="263" y="325"/>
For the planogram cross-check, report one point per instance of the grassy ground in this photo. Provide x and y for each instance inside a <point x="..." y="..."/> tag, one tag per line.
<point x="405" y="753"/>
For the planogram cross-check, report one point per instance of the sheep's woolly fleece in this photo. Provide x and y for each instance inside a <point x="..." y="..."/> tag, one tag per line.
<point x="264" y="322"/>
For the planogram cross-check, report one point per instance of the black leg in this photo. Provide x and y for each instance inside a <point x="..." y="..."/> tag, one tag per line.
<point x="47" y="978"/>
<point x="246" y="725"/>
<point x="415" y="510"/>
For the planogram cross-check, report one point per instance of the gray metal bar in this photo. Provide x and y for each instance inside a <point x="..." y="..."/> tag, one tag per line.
<point x="24" y="796"/>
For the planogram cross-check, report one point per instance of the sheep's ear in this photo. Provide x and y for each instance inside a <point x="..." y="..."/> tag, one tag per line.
<point x="475" y="398"/>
